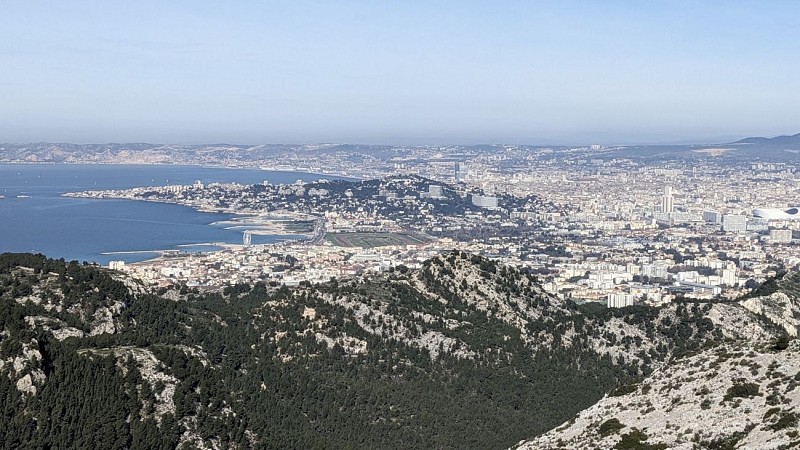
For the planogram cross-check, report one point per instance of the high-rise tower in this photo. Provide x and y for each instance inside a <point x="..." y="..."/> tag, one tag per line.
<point x="667" y="202"/>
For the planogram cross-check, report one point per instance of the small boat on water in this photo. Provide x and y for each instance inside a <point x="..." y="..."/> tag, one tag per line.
<point x="23" y="196"/>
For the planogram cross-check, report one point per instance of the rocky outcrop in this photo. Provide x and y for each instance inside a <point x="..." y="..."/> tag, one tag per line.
<point x="742" y="393"/>
<point x="104" y="319"/>
<point x="779" y="308"/>
<point x="737" y="395"/>
<point x="25" y="369"/>
<point x="152" y="372"/>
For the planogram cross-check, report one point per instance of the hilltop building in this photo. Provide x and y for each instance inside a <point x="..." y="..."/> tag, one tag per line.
<point x="434" y="191"/>
<point x="484" y="201"/>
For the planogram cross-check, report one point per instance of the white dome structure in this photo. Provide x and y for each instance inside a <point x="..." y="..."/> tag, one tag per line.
<point x="777" y="213"/>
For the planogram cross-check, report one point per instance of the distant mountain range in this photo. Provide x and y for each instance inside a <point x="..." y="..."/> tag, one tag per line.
<point x="787" y="141"/>
<point x="353" y="156"/>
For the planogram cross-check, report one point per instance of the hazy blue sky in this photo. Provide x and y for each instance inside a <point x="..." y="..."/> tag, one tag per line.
<point x="398" y="71"/>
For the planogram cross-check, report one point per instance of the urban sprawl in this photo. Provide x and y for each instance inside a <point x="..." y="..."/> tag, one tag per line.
<point x="593" y="228"/>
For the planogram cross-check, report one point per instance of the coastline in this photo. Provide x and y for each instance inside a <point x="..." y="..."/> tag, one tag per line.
<point x="50" y="180"/>
<point x="262" y="168"/>
<point x="272" y="223"/>
<point x="310" y="172"/>
<point x="260" y="222"/>
<point x="172" y="254"/>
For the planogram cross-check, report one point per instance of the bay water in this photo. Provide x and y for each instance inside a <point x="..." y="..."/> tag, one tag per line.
<point x="34" y="217"/>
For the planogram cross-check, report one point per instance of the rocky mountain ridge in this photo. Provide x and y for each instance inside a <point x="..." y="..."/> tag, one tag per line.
<point x="792" y="141"/>
<point x="754" y="148"/>
<point x="740" y="393"/>
<point x="464" y="352"/>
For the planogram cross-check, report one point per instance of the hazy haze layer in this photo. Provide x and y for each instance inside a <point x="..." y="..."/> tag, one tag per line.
<point x="398" y="72"/>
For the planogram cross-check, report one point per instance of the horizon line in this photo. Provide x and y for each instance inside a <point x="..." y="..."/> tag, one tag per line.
<point x="479" y="144"/>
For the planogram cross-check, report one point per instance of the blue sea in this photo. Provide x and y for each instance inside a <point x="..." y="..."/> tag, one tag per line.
<point x="34" y="217"/>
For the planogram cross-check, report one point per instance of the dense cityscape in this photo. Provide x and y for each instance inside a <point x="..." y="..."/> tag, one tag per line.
<point x="399" y="225"/>
<point x="593" y="223"/>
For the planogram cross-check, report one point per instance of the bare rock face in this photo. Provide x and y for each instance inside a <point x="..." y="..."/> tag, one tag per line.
<point x="57" y="327"/>
<point x="737" y="322"/>
<point x="134" y="286"/>
<point x="25" y="385"/>
<point x="737" y="395"/>
<point x="67" y="332"/>
<point x="25" y="368"/>
<point x="104" y="319"/>
<point x="779" y="308"/>
<point x="742" y="393"/>
<point x="152" y="372"/>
